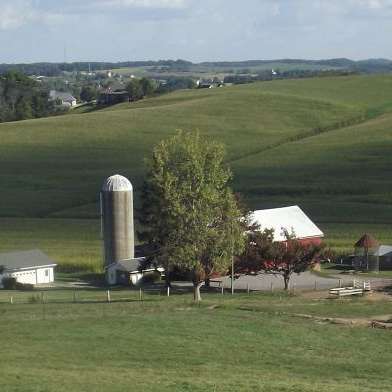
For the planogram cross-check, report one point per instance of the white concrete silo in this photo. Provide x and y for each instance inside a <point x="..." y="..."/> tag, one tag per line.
<point x="117" y="219"/>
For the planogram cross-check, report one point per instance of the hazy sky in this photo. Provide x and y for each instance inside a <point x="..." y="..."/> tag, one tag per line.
<point x="197" y="30"/>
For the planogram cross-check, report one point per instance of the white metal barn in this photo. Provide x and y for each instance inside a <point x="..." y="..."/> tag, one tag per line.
<point x="292" y="219"/>
<point x="31" y="266"/>
<point x="128" y="271"/>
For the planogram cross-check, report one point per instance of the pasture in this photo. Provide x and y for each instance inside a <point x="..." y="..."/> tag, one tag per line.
<point x="241" y="343"/>
<point x="322" y="143"/>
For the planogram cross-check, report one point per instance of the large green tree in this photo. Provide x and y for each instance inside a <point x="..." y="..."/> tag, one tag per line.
<point x="88" y="93"/>
<point x="147" y="86"/>
<point x="190" y="215"/>
<point x="134" y="89"/>
<point x="22" y="98"/>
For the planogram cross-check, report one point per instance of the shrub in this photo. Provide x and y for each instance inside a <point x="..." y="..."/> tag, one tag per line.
<point x="9" y="283"/>
<point x="34" y="299"/>
<point x="24" y="286"/>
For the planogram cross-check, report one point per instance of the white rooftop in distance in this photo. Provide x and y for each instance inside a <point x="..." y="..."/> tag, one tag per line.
<point x="116" y="183"/>
<point x="289" y="218"/>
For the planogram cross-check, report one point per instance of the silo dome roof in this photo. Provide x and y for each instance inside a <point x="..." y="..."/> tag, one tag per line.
<point x="116" y="183"/>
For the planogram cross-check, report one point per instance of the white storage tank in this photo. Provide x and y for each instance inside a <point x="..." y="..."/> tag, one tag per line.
<point x="117" y="219"/>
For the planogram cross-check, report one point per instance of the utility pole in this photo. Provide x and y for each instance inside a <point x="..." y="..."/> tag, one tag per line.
<point x="232" y="274"/>
<point x="232" y="258"/>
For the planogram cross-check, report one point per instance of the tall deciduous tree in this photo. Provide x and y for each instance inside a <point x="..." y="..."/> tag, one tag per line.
<point x="191" y="216"/>
<point x="134" y="89"/>
<point x="147" y="86"/>
<point x="88" y="93"/>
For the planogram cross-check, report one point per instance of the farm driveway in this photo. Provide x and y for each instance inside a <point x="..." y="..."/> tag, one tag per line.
<point x="306" y="280"/>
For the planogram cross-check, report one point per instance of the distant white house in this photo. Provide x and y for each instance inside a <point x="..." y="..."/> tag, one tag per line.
<point x="292" y="219"/>
<point x="31" y="266"/>
<point x="211" y="83"/>
<point x="65" y="99"/>
<point x="127" y="271"/>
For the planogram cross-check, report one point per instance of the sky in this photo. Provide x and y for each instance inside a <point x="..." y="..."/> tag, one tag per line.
<point x="195" y="30"/>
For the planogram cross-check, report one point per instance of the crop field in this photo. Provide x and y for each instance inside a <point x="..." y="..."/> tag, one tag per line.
<point x="73" y="243"/>
<point x="210" y="70"/>
<point x="321" y="143"/>
<point x="241" y="343"/>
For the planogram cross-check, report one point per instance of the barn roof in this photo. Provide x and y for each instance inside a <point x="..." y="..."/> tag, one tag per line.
<point x="384" y="250"/>
<point x="25" y="260"/>
<point x="61" y="95"/>
<point x="366" y="241"/>
<point x="289" y="218"/>
<point x="130" y="265"/>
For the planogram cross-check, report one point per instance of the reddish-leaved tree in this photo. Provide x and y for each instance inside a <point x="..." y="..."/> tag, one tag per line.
<point x="262" y="254"/>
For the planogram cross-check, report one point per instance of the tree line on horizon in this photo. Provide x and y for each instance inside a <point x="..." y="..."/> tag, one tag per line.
<point x="22" y="98"/>
<point x="57" y="68"/>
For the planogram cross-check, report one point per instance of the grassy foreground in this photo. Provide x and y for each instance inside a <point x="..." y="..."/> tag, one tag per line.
<point x="243" y="343"/>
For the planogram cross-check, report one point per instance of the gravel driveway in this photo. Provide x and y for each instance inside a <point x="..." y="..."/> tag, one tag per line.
<point x="306" y="280"/>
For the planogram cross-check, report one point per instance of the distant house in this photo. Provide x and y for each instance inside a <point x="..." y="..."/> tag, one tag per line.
<point x="127" y="272"/>
<point x="371" y="256"/>
<point x="110" y="97"/>
<point x="292" y="219"/>
<point x="201" y="83"/>
<point x="384" y="254"/>
<point x="65" y="99"/>
<point x="31" y="266"/>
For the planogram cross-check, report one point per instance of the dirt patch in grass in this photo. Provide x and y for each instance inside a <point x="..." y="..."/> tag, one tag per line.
<point x="383" y="321"/>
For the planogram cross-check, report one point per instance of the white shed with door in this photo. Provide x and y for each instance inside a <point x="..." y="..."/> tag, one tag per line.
<point x="29" y="267"/>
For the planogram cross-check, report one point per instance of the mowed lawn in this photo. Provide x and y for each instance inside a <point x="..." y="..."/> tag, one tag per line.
<point x="243" y="343"/>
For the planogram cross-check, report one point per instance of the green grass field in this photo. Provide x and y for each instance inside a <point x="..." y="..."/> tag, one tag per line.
<point x="243" y="343"/>
<point x="322" y="143"/>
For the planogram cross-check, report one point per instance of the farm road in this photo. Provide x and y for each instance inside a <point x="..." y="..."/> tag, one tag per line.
<point x="305" y="280"/>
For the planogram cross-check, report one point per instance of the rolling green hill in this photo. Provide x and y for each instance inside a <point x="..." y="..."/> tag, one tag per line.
<point x="322" y="143"/>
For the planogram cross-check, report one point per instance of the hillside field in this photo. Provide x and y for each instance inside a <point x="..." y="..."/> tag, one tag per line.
<point x="321" y="143"/>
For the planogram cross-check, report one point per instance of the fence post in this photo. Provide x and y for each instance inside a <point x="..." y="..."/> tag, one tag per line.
<point x="340" y="283"/>
<point x="222" y="290"/>
<point x="11" y="300"/>
<point x="140" y="294"/>
<point x="247" y="288"/>
<point x="168" y="291"/>
<point x="108" y="295"/>
<point x="315" y="285"/>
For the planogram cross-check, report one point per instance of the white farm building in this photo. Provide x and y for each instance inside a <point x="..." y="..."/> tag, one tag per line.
<point x="128" y="272"/>
<point x="30" y="267"/>
<point x="292" y="219"/>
